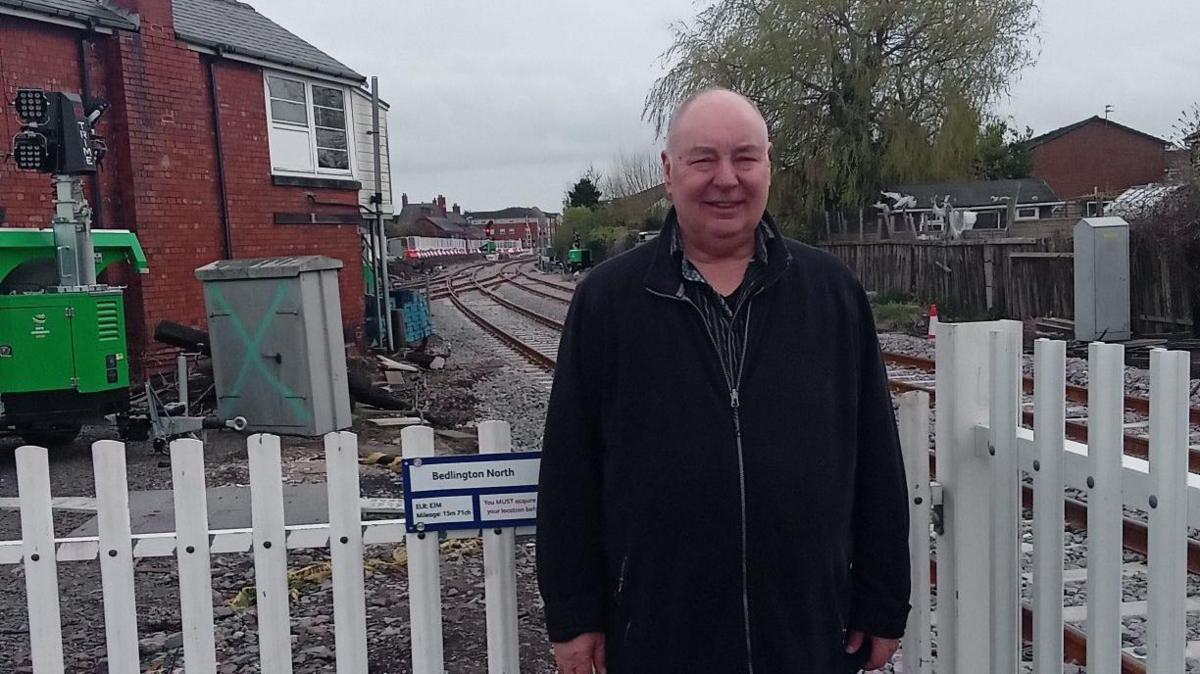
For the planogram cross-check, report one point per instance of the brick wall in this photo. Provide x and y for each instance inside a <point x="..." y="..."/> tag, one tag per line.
<point x="33" y="55"/>
<point x="254" y="199"/>
<point x="160" y="177"/>
<point x="1098" y="156"/>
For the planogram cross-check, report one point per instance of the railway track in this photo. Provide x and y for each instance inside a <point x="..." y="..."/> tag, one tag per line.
<point x="534" y="338"/>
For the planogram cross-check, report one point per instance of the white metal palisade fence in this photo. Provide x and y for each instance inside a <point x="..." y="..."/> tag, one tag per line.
<point x="192" y="543"/>
<point x="982" y="453"/>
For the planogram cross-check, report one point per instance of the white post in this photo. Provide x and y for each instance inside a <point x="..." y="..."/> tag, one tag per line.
<point x="1005" y="359"/>
<point x="346" y="552"/>
<point x="963" y="388"/>
<point x="499" y="568"/>
<point x="193" y="555"/>
<point x="270" y="555"/>
<point x="116" y="557"/>
<point x="1169" y="379"/>
<point x="917" y="650"/>
<point x="1106" y="417"/>
<point x="41" y="567"/>
<point x="424" y="573"/>
<point x="1049" y="402"/>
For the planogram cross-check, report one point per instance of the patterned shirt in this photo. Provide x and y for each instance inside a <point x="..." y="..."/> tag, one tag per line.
<point x="725" y="318"/>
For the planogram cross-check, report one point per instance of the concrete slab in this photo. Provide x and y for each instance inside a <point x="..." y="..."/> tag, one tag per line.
<point x="153" y="512"/>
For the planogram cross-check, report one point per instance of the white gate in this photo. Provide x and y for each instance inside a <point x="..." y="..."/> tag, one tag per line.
<point x="982" y="454"/>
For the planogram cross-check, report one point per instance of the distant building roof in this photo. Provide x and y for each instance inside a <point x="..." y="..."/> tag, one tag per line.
<point x="453" y="229"/>
<point x="1139" y="199"/>
<point x="1060" y="132"/>
<point x="237" y="28"/>
<point x="979" y="193"/>
<point x="84" y="11"/>
<point x="507" y="213"/>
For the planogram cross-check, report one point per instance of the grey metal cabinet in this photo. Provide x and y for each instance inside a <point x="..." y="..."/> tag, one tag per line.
<point x="1102" y="309"/>
<point x="279" y="360"/>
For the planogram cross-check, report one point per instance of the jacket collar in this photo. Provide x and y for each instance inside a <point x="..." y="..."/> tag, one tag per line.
<point x="664" y="277"/>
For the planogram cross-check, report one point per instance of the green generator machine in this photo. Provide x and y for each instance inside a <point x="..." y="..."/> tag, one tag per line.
<point x="64" y="357"/>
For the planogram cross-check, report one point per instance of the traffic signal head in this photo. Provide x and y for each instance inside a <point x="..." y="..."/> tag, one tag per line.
<point x="31" y="151"/>
<point x="56" y="134"/>
<point x="33" y="106"/>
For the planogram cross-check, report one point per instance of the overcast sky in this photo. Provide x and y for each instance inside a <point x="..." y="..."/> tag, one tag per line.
<point x="500" y="103"/>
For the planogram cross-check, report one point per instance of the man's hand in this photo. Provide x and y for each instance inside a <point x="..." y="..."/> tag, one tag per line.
<point x="582" y="655"/>
<point x="881" y="649"/>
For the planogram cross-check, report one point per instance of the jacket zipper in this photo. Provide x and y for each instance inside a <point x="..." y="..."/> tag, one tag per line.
<point x="735" y="405"/>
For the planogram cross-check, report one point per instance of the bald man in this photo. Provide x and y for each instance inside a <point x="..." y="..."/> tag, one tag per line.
<point x="722" y="489"/>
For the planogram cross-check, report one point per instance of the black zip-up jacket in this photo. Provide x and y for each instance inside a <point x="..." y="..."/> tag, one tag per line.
<point x="712" y="528"/>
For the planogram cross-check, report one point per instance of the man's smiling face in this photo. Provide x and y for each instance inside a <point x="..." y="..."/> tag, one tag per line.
<point x="718" y="167"/>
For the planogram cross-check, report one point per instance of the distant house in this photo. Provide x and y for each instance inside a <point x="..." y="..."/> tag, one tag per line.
<point x="432" y="219"/>
<point x="988" y="200"/>
<point x="1097" y="157"/>
<point x="518" y="223"/>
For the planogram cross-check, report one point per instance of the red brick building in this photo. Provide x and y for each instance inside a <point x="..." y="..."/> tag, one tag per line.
<point x="1097" y="156"/>
<point x="228" y="137"/>
<point x="518" y="223"/>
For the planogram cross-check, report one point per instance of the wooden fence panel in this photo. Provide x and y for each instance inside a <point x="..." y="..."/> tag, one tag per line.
<point x="1027" y="278"/>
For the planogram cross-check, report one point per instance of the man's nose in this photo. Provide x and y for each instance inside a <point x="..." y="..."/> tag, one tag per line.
<point x="725" y="176"/>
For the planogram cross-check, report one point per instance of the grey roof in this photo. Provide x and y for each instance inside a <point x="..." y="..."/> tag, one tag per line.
<point x="979" y="193"/>
<point x="237" y="28"/>
<point x="265" y="267"/>
<point x="83" y="11"/>
<point x="505" y="214"/>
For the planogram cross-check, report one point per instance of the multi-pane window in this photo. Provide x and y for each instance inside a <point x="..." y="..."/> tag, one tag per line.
<point x="309" y="130"/>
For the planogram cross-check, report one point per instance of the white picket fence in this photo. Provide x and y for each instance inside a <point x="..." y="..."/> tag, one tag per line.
<point x="192" y="544"/>
<point x="982" y="453"/>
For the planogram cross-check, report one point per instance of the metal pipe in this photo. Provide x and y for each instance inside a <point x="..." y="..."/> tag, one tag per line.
<point x="85" y="81"/>
<point x="221" y="184"/>
<point x="181" y="375"/>
<point x="383" y="301"/>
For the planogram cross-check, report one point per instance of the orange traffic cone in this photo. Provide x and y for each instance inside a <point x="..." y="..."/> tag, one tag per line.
<point x="933" y="321"/>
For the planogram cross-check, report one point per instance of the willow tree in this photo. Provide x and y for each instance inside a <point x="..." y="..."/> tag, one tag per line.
<point x="856" y="92"/>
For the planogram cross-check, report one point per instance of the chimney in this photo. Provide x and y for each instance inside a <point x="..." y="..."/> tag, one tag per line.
<point x="441" y="202"/>
<point x="404" y="199"/>
<point x="156" y="13"/>
<point x="456" y="210"/>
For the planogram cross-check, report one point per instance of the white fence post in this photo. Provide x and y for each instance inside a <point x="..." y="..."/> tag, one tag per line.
<point x="41" y="565"/>
<point x="424" y="574"/>
<point x="116" y="557"/>
<point x="1005" y="571"/>
<point x="270" y="555"/>
<point x="1167" y="612"/>
<point x="1049" y="376"/>
<point x="1106" y="419"/>
<point x="963" y="387"/>
<point x="346" y="553"/>
<point x="917" y="646"/>
<point x="499" y="566"/>
<point x="193" y="556"/>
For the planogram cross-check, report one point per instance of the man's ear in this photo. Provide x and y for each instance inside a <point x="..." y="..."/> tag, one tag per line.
<point x="666" y="166"/>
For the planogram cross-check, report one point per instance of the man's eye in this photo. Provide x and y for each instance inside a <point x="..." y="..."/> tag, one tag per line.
<point x="702" y="160"/>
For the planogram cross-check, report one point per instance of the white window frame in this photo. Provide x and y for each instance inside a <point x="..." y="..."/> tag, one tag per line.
<point x="348" y="102"/>
<point x="1037" y="213"/>
<point x="1102" y="204"/>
